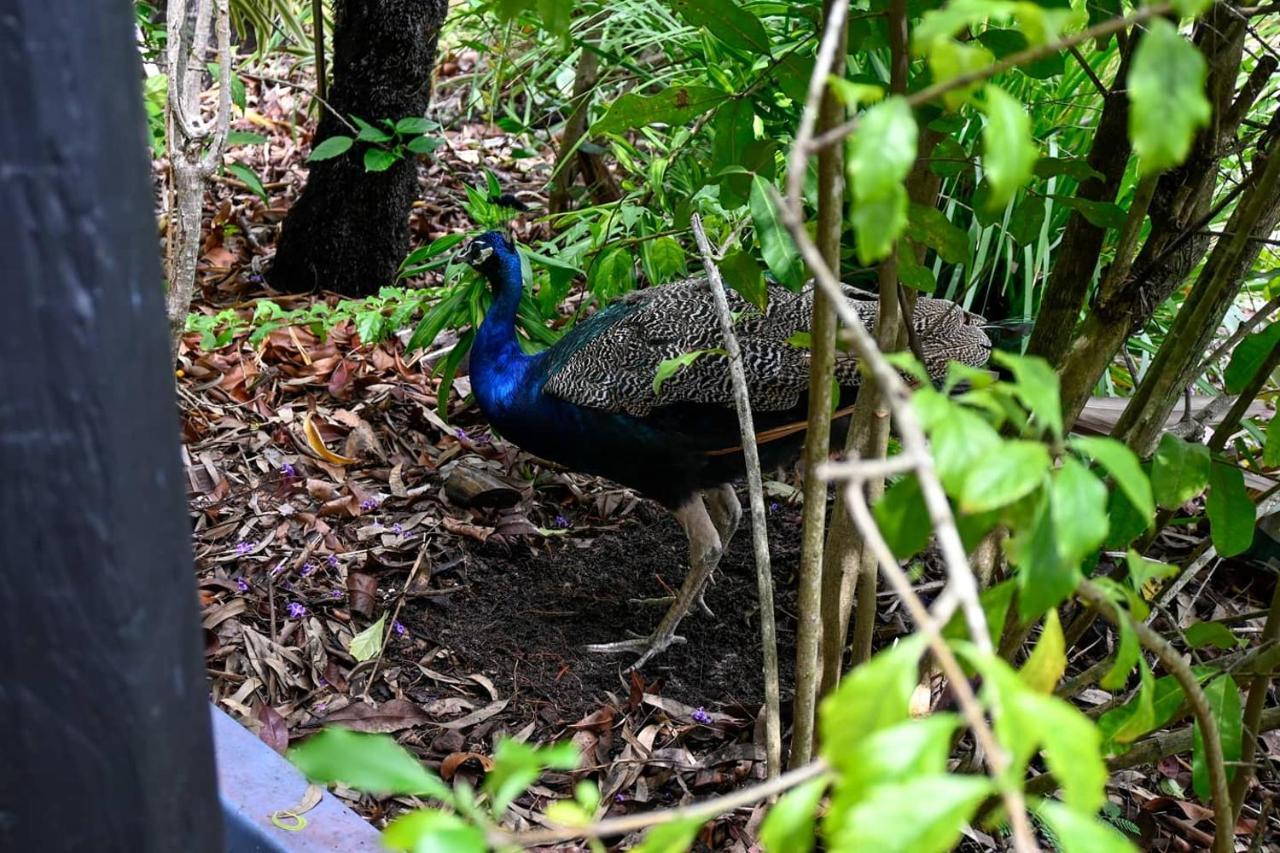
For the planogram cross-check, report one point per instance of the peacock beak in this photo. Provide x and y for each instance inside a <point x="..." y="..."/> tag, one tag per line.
<point x="475" y="253"/>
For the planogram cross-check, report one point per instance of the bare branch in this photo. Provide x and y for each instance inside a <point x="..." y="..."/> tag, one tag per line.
<point x="755" y="489"/>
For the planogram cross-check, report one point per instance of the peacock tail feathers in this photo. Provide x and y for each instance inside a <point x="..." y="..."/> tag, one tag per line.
<point x="609" y="361"/>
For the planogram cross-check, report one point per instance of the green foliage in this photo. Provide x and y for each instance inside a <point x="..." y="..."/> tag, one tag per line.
<point x="881" y="153"/>
<point x="1179" y="471"/>
<point x="1231" y="513"/>
<point x="1166" y="95"/>
<point x="1225" y="708"/>
<point x="385" y="143"/>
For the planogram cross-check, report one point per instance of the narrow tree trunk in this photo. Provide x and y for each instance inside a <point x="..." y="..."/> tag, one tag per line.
<point x="349" y="229"/>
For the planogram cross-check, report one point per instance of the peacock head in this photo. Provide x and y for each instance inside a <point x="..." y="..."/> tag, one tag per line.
<point x="488" y="253"/>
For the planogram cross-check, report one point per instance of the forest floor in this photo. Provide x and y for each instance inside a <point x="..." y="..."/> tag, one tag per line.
<point x="317" y="470"/>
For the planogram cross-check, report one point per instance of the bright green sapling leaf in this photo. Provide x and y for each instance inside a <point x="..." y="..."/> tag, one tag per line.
<point x="1224" y="707"/>
<point x="379" y="160"/>
<point x="330" y="148"/>
<point x="1048" y="660"/>
<point x="1248" y="356"/>
<point x="1201" y="634"/>
<point x="892" y="819"/>
<point x="674" y="837"/>
<point x="1179" y="471"/>
<point x="1123" y="466"/>
<point x="732" y="24"/>
<point x="880" y="155"/>
<point x="517" y="765"/>
<point x="903" y="518"/>
<point x="366" y="644"/>
<point x="779" y="252"/>
<point x="1004" y="477"/>
<point x="789" y="826"/>
<point x="1166" y="97"/>
<point x="250" y="179"/>
<point x="1271" y="449"/>
<point x="1081" y="833"/>
<point x="1231" y="513"/>
<point x="1036" y="385"/>
<point x="1008" y="151"/>
<point x="675" y="105"/>
<point x="366" y="762"/>
<point x="874" y="696"/>
<point x="742" y="272"/>
<point x="1143" y="571"/>
<point x="434" y="831"/>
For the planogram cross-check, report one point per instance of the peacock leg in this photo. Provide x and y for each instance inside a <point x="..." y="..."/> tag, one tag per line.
<point x="704" y="553"/>
<point x="725" y="511"/>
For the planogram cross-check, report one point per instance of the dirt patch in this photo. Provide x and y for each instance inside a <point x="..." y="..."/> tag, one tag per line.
<point x="524" y="617"/>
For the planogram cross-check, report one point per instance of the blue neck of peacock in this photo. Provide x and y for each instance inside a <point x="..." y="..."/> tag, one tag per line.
<point x="498" y="363"/>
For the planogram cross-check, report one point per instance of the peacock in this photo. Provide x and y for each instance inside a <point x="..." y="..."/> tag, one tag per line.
<point x="591" y="403"/>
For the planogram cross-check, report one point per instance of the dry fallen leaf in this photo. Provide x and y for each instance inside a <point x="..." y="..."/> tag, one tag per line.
<point x="316" y="443"/>
<point x="391" y="716"/>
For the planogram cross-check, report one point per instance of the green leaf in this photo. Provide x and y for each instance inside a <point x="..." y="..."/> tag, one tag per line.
<point x="1143" y="571"/>
<point x="742" y="272"/>
<point x="854" y="95"/>
<point x="873" y="696"/>
<point x="1231" y="513"/>
<point x="675" y="106"/>
<point x="880" y="155"/>
<point x="962" y="441"/>
<point x="330" y="147"/>
<point x="450" y="310"/>
<point x="1081" y="833"/>
<point x="1192" y="8"/>
<point x="1271" y="448"/>
<point x="663" y="259"/>
<point x="670" y="366"/>
<point x="1123" y="466"/>
<point x="1224" y="707"/>
<point x="250" y="179"/>
<point x="370" y="133"/>
<point x="733" y="132"/>
<point x="737" y="27"/>
<point x="892" y="819"/>
<point x="1248" y="357"/>
<point x="928" y="226"/>
<point x="414" y="126"/>
<point x="517" y="765"/>
<point x="1167" y="104"/>
<point x="378" y="160"/>
<point x="1077" y="169"/>
<point x="368" y="642"/>
<point x="1201" y="634"/>
<point x="1179" y="471"/>
<point x="779" y="252"/>
<point x="903" y="518"/>
<point x="1027" y="220"/>
<point x="949" y="59"/>
<point x="1008" y="151"/>
<point x="1048" y="660"/>
<point x="914" y="275"/>
<point x="788" y="828"/>
<point x="1037" y="386"/>
<point x="1103" y="214"/>
<point x="613" y="273"/>
<point x="434" y="831"/>
<point x="1079" y="510"/>
<point x="1012" y="473"/>
<point x="673" y="837"/>
<point x="1045" y="575"/>
<point x="1139" y="715"/>
<point x="366" y="762"/>
<point x="424" y="144"/>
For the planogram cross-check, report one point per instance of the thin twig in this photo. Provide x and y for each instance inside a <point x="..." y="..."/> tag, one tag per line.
<point x="755" y="489"/>
<point x="706" y="809"/>
<point x="1180" y="669"/>
<point x="391" y="624"/>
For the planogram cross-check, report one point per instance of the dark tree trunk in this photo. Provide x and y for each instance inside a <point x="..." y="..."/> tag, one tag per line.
<point x="349" y="229"/>
<point x="104" y="724"/>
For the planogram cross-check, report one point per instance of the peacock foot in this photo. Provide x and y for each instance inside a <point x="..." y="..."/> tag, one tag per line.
<point x="668" y="600"/>
<point x="647" y="647"/>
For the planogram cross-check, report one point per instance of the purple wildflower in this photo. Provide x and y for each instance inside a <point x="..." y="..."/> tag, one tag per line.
<point x="296" y="610"/>
<point x="243" y="548"/>
<point x="242" y="584"/>
<point x="332" y="560"/>
<point x="279" y="567"/>
<point x="460" y="434"/>
<point x="368" y="504"/>
<point x="701" y="716"/>
<point x="397" y="529"/>
<point x="399" y="628"/>
<point x="307" y="568"/>
<point x="773" y="506"/>
<point x="254" y="278"/>
<point x="561" y="522"/>
<point x="288" y="470"/>
<point x="335" y="593"/>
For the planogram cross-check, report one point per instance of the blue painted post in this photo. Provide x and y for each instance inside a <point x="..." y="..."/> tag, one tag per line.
<point x="104" y="724"/>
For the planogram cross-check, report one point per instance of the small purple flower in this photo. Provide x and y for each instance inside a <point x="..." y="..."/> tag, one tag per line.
<point x="320" y="706"/>
<point x="332" y="560"/>
<point x="619" y="798"/>
<point x="253" y="278"/>
<point x="460" y="434"/>
<point x="399" y="628"/>
<point x="296" y="610"/>
<point x="242" y="584"/>
<point x="335" y="593"/>
<point x="397" y="529"/>
<point x="243" y="548"/>
<point x="701" y="716"/>
<point x="561" y="522"/>
<point x="307" y="568"/>
<point x="773" y="506"/>
<point x="288" y="470"/>
<point x="483" y="438"/>
<point x="279" y="567"/>
<point x="368" y="504"/>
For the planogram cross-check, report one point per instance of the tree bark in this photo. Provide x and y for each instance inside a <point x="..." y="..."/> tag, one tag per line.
<point x="349" y="229"/>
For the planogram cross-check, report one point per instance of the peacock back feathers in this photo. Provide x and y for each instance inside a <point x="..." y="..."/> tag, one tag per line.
<point x="609" y="361"/>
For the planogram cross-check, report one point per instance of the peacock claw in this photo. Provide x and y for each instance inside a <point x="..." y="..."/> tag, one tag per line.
<point x="667" y="600"/>
<point x="647" y="647"/>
